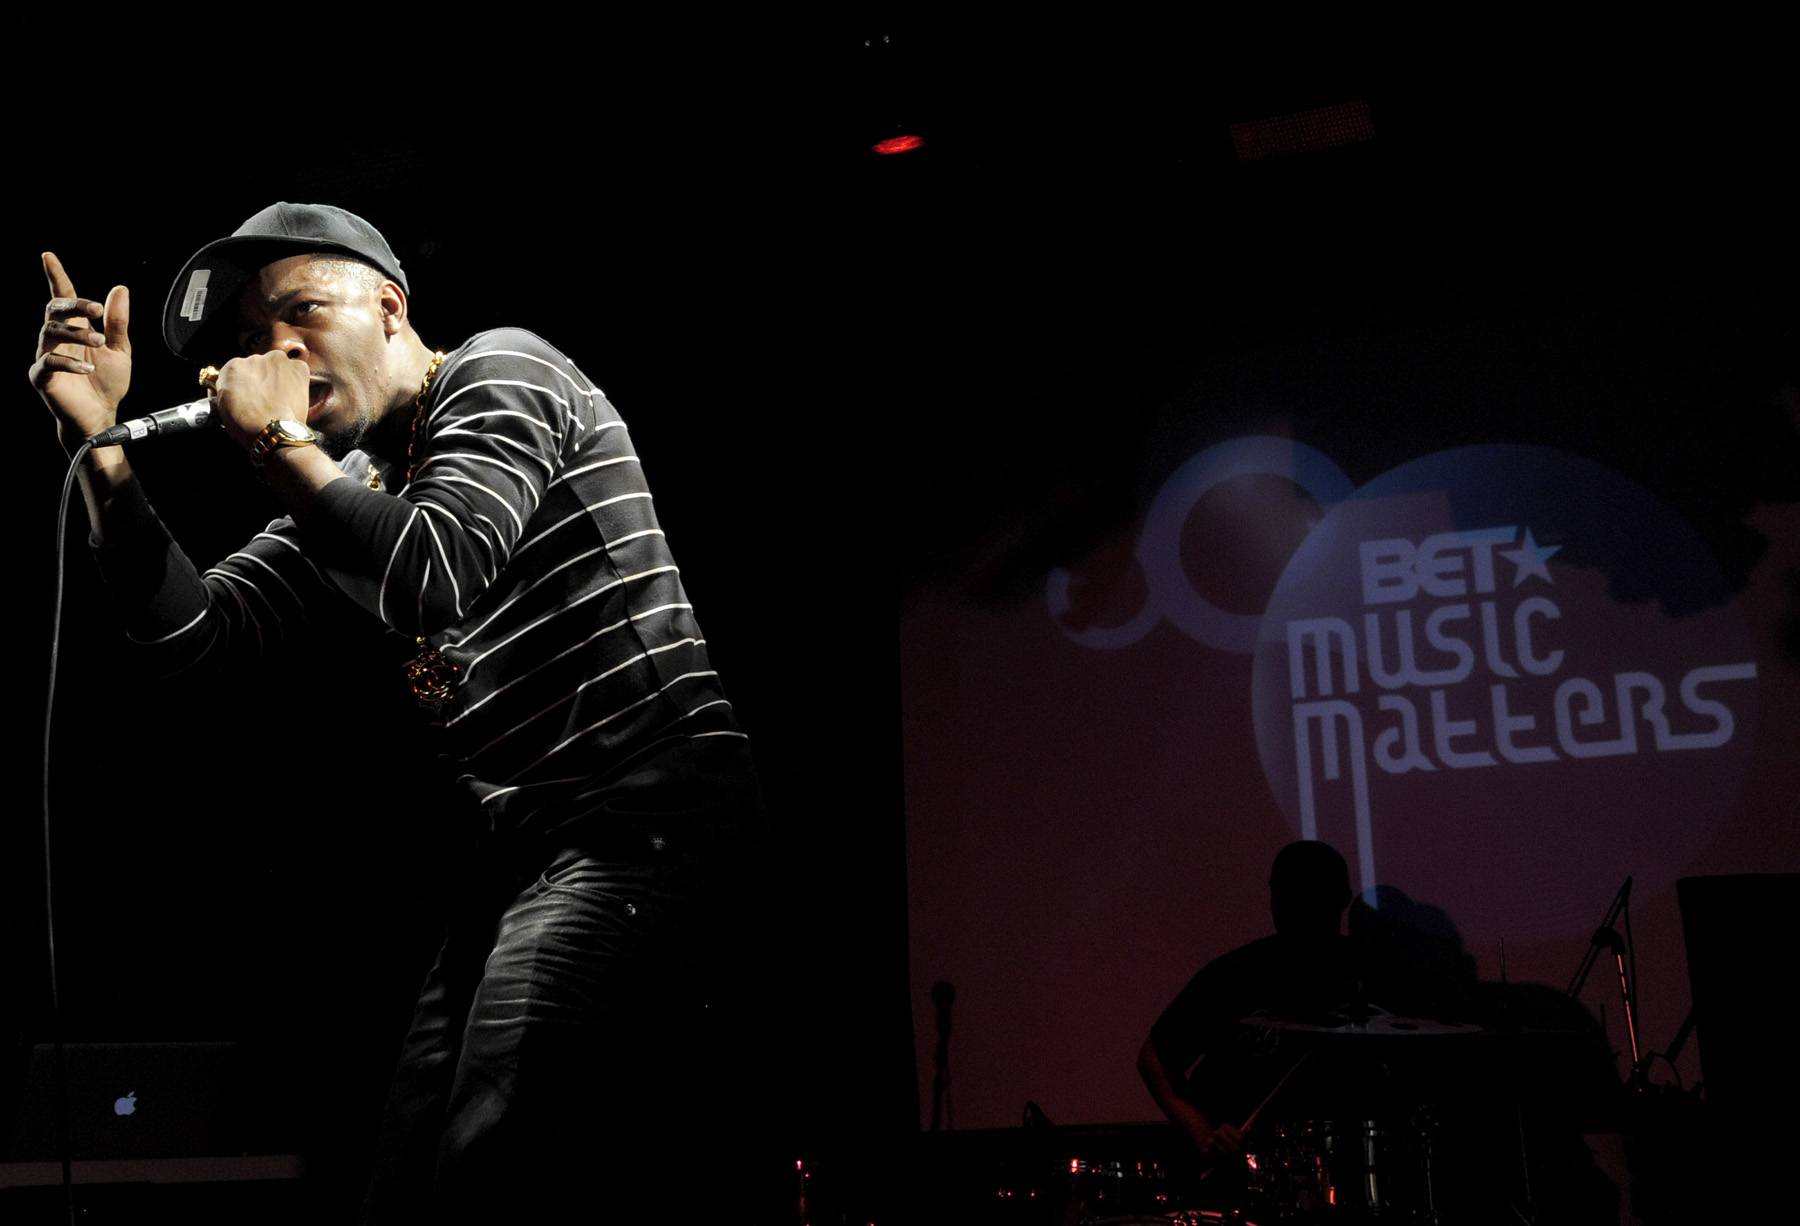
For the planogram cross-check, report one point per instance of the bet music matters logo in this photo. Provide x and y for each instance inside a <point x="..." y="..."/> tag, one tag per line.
<point x="1448" y="649"/>
<point x="1500" y="677"/>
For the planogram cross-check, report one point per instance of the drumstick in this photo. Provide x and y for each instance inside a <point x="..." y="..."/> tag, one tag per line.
<point x="1250" y="1123"/>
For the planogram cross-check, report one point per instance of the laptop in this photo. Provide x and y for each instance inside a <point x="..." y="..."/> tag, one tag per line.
<point x="142" y="1101"/>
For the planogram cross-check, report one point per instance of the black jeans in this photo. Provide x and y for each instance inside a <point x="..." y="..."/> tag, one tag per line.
<point x="552" y="1070"/>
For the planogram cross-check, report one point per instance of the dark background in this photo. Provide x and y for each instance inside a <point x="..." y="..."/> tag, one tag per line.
<point x="844" y="374"/>
<point x="1583" y="249"/>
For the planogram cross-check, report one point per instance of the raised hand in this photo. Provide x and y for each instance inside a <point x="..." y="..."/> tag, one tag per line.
<point x="83" y="366"/>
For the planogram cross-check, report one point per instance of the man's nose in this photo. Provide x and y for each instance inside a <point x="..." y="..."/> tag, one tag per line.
<point x="283" y="339"/>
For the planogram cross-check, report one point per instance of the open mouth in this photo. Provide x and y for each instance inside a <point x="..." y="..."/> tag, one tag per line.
<point x="317" y="392"/>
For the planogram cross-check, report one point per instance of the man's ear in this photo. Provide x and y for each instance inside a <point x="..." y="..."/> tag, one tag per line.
<point x="391" y="300"/>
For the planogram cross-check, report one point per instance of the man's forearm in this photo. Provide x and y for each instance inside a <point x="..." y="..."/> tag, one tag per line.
<point x="297" y="474"/>
<point x="109" y="489"/>
<point x="1213" y="1140"/>
<point x="1162" y="1088"/>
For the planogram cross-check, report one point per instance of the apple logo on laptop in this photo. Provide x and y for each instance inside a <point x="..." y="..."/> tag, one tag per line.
<point x="126" y="1105"/>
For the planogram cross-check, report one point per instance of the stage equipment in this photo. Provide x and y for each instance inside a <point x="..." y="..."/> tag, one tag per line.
<point x="178" y="420"/>
<point x="943" y="1110"/>
<point x="1624" y="956"/>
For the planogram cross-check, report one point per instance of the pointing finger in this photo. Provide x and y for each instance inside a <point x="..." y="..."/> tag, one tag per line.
<point x="60" y="285"/>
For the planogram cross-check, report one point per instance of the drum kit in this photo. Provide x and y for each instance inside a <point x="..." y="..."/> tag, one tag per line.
<point x="1345" y="1137"/>
<point x="1354" y="1130"/>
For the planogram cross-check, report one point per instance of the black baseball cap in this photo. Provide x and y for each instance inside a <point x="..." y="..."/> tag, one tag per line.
<point x="208" y="284"/>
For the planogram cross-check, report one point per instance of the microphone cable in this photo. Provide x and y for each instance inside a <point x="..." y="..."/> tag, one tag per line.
<point x="65" y="1142"/>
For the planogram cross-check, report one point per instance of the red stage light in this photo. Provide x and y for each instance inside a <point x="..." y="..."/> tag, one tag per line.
<point x="898" y="144"/>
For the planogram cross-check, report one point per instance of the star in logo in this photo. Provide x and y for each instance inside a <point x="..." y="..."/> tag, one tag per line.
<point x="1528" y="560"/>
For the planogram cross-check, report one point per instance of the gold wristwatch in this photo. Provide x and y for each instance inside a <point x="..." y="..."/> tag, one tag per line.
<point x="282" y="432"/>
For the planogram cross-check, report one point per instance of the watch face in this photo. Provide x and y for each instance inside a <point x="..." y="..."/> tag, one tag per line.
<point x="294" y="429"/>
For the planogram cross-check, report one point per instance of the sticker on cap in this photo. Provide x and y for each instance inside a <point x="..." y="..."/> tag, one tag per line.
<point x="193" y="303"/>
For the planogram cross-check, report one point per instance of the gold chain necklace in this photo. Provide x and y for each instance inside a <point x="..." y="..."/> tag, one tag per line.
<point x="412" y="446"/>
<point x="373" y="478"/>
<point x="430" y="676"/>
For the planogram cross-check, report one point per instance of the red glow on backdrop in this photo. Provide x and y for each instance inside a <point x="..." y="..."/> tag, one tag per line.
<point x="898" y="144"/>
<point x="1325" y="127"/>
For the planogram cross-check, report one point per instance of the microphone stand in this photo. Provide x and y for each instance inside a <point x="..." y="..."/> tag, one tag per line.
<point x="943" y="1113"/>
<point x="1624" y="955"/>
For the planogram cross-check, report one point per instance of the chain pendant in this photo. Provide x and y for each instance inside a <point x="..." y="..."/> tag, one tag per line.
<point x="431" y="677"/>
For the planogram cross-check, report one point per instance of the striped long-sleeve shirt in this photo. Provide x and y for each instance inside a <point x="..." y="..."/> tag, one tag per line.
<point x="526" y="549"/>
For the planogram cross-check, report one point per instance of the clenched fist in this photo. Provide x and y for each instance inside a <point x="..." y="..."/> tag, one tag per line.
<point x="254" y="391"/>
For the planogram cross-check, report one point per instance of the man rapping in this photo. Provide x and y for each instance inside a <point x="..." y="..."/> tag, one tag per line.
<point x="482" y="509"/>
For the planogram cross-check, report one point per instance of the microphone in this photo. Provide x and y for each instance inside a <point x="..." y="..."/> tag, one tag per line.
<point x="181" y="418"/>
<point x="943" y="995"/>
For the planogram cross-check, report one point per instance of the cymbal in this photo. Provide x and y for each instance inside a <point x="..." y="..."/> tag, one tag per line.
<point x="1372" y="1022"/>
